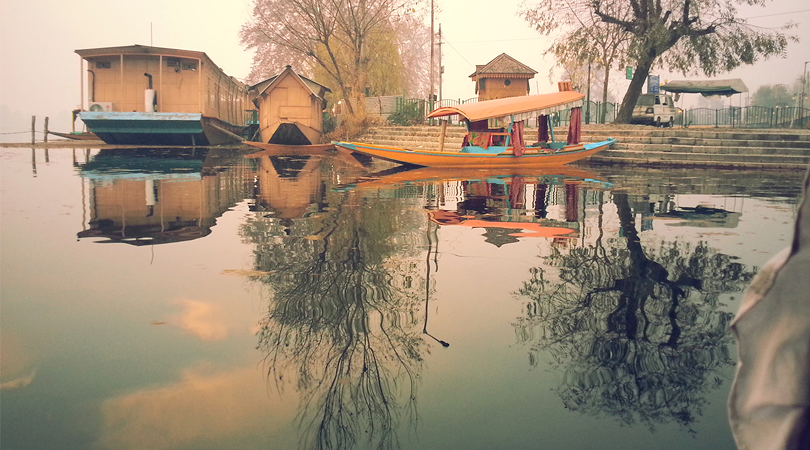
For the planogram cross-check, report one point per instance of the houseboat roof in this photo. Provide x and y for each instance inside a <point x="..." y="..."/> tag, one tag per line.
<point x="138" y="49"/>
<point x="519" y="108"/>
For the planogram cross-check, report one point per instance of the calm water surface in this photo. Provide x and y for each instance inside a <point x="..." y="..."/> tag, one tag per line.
<point x="209" y="300"/>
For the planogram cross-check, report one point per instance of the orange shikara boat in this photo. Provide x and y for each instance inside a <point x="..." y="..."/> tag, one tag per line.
<point x="495" y="135"/>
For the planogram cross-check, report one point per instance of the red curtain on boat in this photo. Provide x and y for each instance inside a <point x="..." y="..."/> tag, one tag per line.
<point x="518" y="146"/>
<point x="542" y="128"/>
<point x="575" y="128"/>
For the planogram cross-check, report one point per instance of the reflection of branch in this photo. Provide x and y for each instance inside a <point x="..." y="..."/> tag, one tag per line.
<point x="636" y="332"/>
<point x="427" y="286"/>
<point x="342" y="332"/>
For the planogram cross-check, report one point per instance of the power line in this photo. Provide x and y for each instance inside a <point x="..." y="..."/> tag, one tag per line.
<point x="459" y="53"/>
<point x="778" y="14"/>
<point x="498" y="40"/>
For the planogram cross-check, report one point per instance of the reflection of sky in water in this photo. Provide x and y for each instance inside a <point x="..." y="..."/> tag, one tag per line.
<point x="118" y="346"/>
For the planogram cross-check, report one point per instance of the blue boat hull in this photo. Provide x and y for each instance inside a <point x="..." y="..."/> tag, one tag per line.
<point x="169" y="129"/>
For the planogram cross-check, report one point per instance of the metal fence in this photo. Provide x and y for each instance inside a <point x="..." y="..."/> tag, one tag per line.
<point x="605" y="113"/>
<point x="733" y="116"/>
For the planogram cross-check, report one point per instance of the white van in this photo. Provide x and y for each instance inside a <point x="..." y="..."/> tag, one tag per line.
<point x="655" y="109"/>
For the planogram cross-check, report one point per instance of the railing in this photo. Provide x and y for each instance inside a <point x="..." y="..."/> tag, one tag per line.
<point x="605" y="113"/>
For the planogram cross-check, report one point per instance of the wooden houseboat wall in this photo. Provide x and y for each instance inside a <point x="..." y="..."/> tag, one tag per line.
<point x="290" y="109"/>
<point x="187" y="87"/>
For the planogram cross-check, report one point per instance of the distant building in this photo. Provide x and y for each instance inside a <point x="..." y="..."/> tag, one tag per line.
<point x="502" y="77"/>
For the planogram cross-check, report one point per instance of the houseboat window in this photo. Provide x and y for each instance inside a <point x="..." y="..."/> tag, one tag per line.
<point x="507" y="82"/>
<point x="172" y="62"/>
<point x="103" y="64"/>
<point x="189" y="65"/>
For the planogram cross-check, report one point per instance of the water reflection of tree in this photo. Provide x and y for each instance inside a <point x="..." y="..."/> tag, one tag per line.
<point x="343" y="324"/>
<point x="637" y="331"/>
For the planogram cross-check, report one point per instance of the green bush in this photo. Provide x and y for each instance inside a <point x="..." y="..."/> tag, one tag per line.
<point x="408" y="114"/>
<point x="329" y="123"/>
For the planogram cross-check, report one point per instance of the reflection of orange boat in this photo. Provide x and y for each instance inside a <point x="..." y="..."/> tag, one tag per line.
<point x="528" y="229"/>
<point x="438" y="174"/>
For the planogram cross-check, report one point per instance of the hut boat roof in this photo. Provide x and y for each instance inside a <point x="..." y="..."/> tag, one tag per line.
<point x="519" y="108"/>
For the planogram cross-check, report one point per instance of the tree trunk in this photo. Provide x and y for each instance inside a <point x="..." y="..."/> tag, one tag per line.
<point x="631" y="96"/>
<point x="605" y="94"/>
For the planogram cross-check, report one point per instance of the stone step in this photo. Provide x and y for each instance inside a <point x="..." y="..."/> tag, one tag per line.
<point x="721" y="160"/>
<point x="718" y="149"/>
<point x="642" y="145"/>
<point x="630" y="131"/>
<point x="690" y="160"/>
<point x="759" y="148"/>
<point x="422" y="135"/>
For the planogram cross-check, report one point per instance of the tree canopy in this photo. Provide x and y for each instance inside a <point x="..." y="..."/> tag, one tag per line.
<point x="350" y="46"/>
<point x="690" y="36"/>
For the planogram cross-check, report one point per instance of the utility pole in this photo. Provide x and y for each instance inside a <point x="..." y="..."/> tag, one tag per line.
<point x="430" y="97"/>
<point x="588" y="101"/>
<point x="441" y="67"/>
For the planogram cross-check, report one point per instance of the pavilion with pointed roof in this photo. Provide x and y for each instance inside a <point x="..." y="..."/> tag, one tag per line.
<point x="502" y="77"/>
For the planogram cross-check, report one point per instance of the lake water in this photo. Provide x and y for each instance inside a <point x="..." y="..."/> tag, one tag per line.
<point x="200" y="299"/>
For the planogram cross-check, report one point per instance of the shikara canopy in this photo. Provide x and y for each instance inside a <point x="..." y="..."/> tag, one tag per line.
<point x="707" y="88"/>
<point x="521" y="108"/>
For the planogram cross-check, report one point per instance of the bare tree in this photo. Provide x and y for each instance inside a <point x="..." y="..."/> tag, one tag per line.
<point x="691" y="36"/>
<point x="332" y="36"/>
<point x="587" y="42"/>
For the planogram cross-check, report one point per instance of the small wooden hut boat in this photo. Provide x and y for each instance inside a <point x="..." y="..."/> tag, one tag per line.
<point x="495" y="135"/>
<point x="142" y="95"/>
<point x="290" y="109"/>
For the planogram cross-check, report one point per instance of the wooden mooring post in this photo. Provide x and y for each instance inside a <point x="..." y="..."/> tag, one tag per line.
<point x="33" y="130"/>
<point x="442" y="135"/>
<point x="46" y="129"/>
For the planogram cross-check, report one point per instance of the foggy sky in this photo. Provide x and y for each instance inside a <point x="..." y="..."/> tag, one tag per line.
<point x="39" y="71"/>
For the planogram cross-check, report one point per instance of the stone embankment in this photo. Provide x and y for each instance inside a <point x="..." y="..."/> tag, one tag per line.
<point x="728" y="148"/>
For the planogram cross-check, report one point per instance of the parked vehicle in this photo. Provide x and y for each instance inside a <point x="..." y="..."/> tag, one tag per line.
<point x="655" y="109"/>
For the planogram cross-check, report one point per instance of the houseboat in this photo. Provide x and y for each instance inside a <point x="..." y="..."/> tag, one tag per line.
<point x="142" y="95"/>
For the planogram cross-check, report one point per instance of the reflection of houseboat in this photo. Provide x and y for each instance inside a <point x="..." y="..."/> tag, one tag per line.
<point x="290" y="109"/>
<point x="157" y="196"/>
<point x="287" y="185"/>
<point x="145" y="95"/>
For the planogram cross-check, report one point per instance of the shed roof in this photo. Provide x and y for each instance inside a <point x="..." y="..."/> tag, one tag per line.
<point x="314" y="87"/>
<point x="504" y="64"/>
<point x="707" y="88"/>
